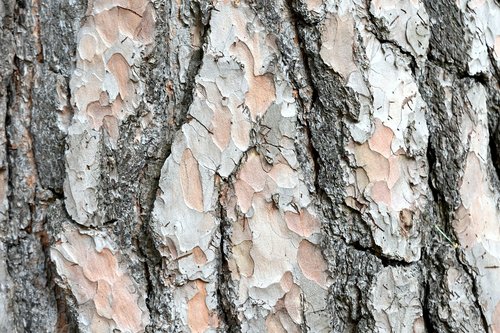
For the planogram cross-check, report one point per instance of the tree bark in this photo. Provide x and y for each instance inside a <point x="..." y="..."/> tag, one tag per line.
<point x="250" y="166"/>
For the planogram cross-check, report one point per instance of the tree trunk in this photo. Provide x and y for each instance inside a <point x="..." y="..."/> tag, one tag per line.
<point x="250" y="166"/>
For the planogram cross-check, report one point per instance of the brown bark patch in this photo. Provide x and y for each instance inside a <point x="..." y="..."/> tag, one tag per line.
<point x="312" y="263"/>
<point x="199" y="318"/>
<point x="303" y="223"/>
<point x="244" y="261"/>
<point x="382" y="139"/>
<point x="107" y="26"/>
<point x="191" y="181"/>
<point x="119" y="67"/>
<point x="199" y="256"/>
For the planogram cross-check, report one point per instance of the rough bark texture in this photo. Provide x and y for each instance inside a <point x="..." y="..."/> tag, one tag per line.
<point x="250" y="166"/>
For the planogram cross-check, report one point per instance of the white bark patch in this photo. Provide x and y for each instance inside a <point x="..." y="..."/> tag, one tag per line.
<point x="396" y="301"/>
<point x="388" y="176"/>
<point x="407" y="23"/>
<point x="105" y="90"/>
<point x="239" y="89"/>
<point x="107" y="297"/>
<point x="482" y="18"/>
<point x="283" y="246"/>
<point x="476" y="219"/>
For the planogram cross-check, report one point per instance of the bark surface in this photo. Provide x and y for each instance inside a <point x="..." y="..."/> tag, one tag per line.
<point x="250" y="166"/>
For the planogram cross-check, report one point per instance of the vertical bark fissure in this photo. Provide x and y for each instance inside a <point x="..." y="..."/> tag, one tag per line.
<point x="426" y="313"/>
<point x="33" y="292"/>
<point x="152" y="258"/>
<point x="443" y="219"/>
<point x="37" y="30"/>
<point x="448" y="51"/>
<point x="468" y="270"/>
<point x="11" y="97"/>
<point x="228" y="311"/>
<point x="304" y="109"/>
<point x="182" y="116"/>
<point x="194" y="64"/>
<point x="66" y="318"/>
<point x="303" y="326"/>
<point x="494" y="151"/>
<point x="496" y="68"/>
<point x="442" y="207"/>
<point x="493" y="104"/>
<point x="304" y="116"/>
<point x="315" y="106"/>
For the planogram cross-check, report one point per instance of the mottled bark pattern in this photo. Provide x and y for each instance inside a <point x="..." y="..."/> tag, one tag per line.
<point x="250" y="166"/>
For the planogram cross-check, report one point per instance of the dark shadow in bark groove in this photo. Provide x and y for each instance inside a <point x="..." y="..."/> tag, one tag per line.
<point x="494" y="146"/>
<point x="443" y="179"/>
<point x="425" y="308"/>
<point x="224" y="292"/>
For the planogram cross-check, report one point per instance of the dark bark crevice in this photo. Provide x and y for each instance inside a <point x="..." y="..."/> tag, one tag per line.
<point x="494" y="64"/>
<point x="426" y="312"/>
<point x="376" y="252"/>
<point x="354" y="273"/>
<point x="307" y="107"/>
<point x="494" y="147"/>
<point x="493" y="104"/>
<point x="66" y="303"/>
<point x="469" y="271"/>
<point x="441" y="227"/>
<point x="67" y="318"/>
<point x="202" y="20"/>
<point x="225" y="293"/>
<point x="443" y="185"/>
<point x="439" y="202"/>
<point x="170" y="101"/>
<point x="447" y="43"/>
<point x="32" y="306"/>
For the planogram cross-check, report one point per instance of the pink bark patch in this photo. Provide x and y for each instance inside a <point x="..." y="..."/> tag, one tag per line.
<point x="381" y="193"/>
<point x="199" y="318"/>
<point x="105" y="23"/>
<point x="303" y="224"/>
<point x="119" y="67"/>
<point x="191" y="181"/>
<point x="128" y="21"/>
<point x="87" y="47"/>
<point x="382" y="139"/>
<point x="496" y="319"/>
<point x="221" y="124"/>
<point x="253" y="173"/>
<point x="261" y="94"/>
<point x="244" y="194"/>
<point x="311" y="262"/>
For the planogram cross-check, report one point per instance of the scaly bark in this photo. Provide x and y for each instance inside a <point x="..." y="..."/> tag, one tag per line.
<point x="249" y="166"/>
